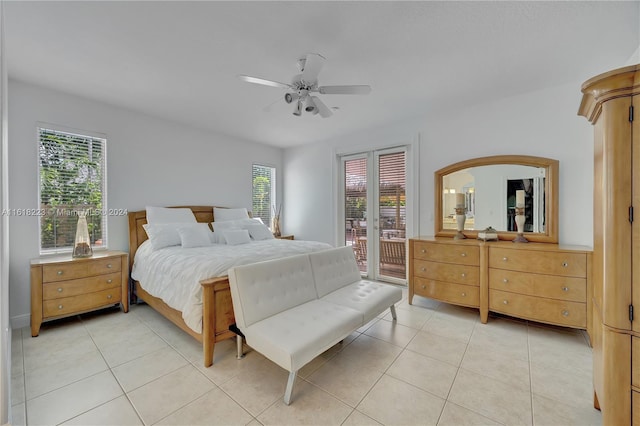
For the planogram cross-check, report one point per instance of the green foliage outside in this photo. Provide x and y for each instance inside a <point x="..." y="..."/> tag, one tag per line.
<point x="70" y="180"/>
<point x="262" y="198"/>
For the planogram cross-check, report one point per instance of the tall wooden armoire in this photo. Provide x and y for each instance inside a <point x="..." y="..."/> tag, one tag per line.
<point x="608" y="103"/>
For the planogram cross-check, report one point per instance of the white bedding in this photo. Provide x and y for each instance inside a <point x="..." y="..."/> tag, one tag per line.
<point x="174" y="273"/>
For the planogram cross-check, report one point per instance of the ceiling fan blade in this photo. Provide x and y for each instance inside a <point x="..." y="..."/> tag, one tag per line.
<point x="312" y="66"/>
<point x="323" y="110"/>
<point x="345" y="90"/>
<point x="264" y="82"/>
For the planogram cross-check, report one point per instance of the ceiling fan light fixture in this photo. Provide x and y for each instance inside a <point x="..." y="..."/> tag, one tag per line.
<point x="298" y="109"/>
<point x="290" y="97"/>
<point x="310" y="106"/>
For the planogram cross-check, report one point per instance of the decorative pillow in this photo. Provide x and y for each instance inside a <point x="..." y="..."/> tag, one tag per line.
<point x="259" y="232"/>
<point x="163" y="234"/>
<point x="169" y="215"/>
<point x="234" y="237"/>
<point x="232" y="224"/>
<point x="195" y="235"/>
<point x="216" y="238"/>
<point x="220" y="214"/>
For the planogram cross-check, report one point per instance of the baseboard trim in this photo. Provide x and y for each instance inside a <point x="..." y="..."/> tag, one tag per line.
<point x="20" y="321"/>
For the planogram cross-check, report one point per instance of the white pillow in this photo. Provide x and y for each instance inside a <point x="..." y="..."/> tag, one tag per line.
<point x="234" y="237"/>
<point x="259" y="232"/>
<point x="163" y="234"/>
<point x="169" y="215"/>
<point x="216" y="238"/>
<point x="220" y="214"/>
<point x="232" y="224"/>
<point x="195" y="235"/>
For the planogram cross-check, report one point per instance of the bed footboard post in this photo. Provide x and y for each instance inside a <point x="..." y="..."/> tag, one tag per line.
<point x="208" y="324"/>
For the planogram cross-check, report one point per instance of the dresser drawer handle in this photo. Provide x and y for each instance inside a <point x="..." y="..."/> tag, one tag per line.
<point x="463" y="275"/>
<point x="109" y="281"/>
<point x="59" y="272"/>
<point x="505" y="280"/>
<point x="463" y="254"/>
<point x="565" y="313"/>
<point x="464" y="294"/>
<point x="423" y="269"/>
<point x="59" y="306"/>
<point x="109" y="296"/>
<point x="59" y="289"/>
<point x="565" y="288"/>
<point x="504" y="259"/>
<point x="506" y="302"/>
<point x="424" y="287"/>
<point x="423" y="251"/>
<point x="565" y="264"/>
<point x="108" y="266"/>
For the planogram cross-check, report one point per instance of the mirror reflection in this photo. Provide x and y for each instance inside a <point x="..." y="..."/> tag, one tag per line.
<point x="489" y="196"/>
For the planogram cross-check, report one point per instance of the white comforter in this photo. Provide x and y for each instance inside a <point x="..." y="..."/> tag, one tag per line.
<point x="173" y="273"/>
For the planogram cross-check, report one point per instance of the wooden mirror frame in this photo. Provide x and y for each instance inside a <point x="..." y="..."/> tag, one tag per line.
<point x="550" y="194"/>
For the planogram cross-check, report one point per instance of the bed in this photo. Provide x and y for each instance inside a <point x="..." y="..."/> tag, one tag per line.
<point x="215" y="313"/>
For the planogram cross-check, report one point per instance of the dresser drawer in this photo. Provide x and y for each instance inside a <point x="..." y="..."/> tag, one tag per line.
<point x="449" y="253"/>
<point x="539" y="262"/>
<point x="635" y="362"/>
<point x="570" y="314"/>
<point x="79" y="269"/>
<point x="67" y="305"/>
<point x="448" y="292"/>
<point x="550" y="286"/>
<point x="461" y="274"/>
<point x="56" y="290"/>
<point x="635" y="408"/>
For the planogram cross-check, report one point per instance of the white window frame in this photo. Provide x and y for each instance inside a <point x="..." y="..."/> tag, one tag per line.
<point x="94" y="136"/>
<point x="272" y="196"/>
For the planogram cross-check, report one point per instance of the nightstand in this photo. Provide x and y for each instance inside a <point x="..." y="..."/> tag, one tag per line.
<point x="62" y="286"/>
<point x="285" y="237"/>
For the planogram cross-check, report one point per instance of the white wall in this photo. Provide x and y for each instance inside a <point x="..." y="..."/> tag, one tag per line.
<point x="150" y="161"/>
<point x="542" y="123"/>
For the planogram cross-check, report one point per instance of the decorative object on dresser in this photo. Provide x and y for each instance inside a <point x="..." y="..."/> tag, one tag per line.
<point x="64" y="286"/>
<point x="82" y="243"/>
<point x="461" y="212"/>
<point x="608" y="103"/>
<point x="541" y="282"/>
<point x="519" y="210"/>
<point x="482" y="182"/>
<point x="488" y="234"/>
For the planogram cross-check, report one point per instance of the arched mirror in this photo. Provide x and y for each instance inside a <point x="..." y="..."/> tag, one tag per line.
<point x="487" y="186"/>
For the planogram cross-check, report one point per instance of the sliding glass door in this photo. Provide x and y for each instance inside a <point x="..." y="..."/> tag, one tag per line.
<point x="374" y="206"/>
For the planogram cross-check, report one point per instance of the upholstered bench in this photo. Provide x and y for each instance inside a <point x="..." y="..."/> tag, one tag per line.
<point x="293" y="309"/>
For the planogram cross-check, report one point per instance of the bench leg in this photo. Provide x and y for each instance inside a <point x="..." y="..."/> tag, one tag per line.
<point x="393" y="312"/>
<point x="239" y="346"/>
<point x="289" y="391"/>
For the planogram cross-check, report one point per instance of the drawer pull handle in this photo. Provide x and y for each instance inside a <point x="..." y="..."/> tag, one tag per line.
<point x="423" y="269"/>
<point x="463" y="275"/>
<point x="424" y="286"/>
<point x="109" y="296"/>
<point x="59" y="306"/>
<point x="565" y="313"/>
<point x="108" y="266"/>
<point x="59" y="272"/>
<point x="504" y="259"/>
<point x="506" y="302"/>
<point x="463" y="254"/>
<point x="423" y="251"/>
<point x="505" y="280"/>
<point x="109" y="281"/>
<point x="464" y="294"/>
<point x="565" y="264"/>
<point x="565" y="288"/>
<point x="59" y="289"/>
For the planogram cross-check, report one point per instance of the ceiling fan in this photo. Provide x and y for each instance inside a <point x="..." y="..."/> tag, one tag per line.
<point x="303" y="85"/>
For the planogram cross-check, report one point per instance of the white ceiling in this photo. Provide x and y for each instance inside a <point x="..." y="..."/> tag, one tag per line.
<point x="179" y="60"/>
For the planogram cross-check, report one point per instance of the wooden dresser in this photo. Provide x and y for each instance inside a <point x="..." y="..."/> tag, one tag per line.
<point x="608" y="102"/>
<point x="537" y="281"/>
<point x="62" y="286"/>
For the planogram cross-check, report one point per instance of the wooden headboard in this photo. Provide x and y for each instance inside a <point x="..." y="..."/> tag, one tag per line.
<point x="137" y="234"/>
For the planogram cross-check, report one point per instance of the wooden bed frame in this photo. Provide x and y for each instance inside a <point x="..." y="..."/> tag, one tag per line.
<point x="217" y="309"/>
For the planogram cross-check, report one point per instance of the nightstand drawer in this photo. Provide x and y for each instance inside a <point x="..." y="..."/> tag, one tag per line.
<point x="461" y="274"/>
<point x="84" y="302"/>
<point x="80" y="269"/>
<point x="57" y="290"/>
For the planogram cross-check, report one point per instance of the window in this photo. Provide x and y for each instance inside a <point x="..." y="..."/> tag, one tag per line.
<point x="72" y="177"/>
<point x="263" y="196"/>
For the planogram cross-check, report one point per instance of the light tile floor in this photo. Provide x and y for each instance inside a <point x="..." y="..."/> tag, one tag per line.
<point x="437" y="365"/>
